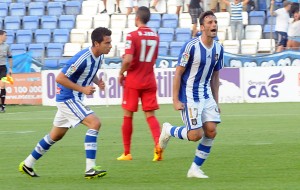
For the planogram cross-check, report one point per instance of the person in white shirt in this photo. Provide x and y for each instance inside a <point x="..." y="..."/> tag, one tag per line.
<point x="282" y="23"/>
<point x="294" y="32"/>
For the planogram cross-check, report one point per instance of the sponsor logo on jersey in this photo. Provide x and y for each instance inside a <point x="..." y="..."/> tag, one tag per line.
<point x="185" y="57"/>
<point x="127" y="44"/>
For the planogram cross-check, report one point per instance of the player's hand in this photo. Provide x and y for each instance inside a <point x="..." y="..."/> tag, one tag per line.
<point x="89" y="90"/>
<point x="178" y="105"/>
<point x="101" y="84"/>
<point x="121" y="79"/>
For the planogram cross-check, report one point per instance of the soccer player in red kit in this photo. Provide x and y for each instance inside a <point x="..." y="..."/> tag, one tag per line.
<point x="141" y="50"/>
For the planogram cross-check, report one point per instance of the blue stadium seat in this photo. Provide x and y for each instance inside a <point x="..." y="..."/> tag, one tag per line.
<point x="183" y="34"/>
<point x="169" y="21"/>
<point x="166" y="34"/>
<point x="42" y="1"/>
<point x="163" y="48"/>
<point x="61" y="35"/>
<point x="257" y="18"/>
<point x="271" y="19"/>
<point x="37" y="50"/>
<point x="55" y="8"/>
<point x="55" y="49"/>
<point x="267" y="32"/>
<point x="18" y="49"/>
<point x="49" y="22"/>
<point x="12" y="23"/>
<point x="72" y="7"/>
<point x="3" y="9"/>
<point x="24" y="1"/>
<point x="1" y="23"/>
<point x="36" y="8"/>
<point x="62" y="62"/>
<point x="17" y="9"/>
<point x="24" y="36"/>
<point x="10" y="36"/>
<point x="175" y="48"/>
<point x="42" y="36"/>
<point x="31" y="22"/>
<point x="6" y="1"/>
<point x="50" y="63"/>
<point x="66" y="21"/>
<point x="155" y="21"/>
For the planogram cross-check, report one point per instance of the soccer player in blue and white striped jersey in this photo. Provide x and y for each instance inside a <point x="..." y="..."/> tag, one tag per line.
<point x="196" y="92"/>
<point x="75" y="81"/>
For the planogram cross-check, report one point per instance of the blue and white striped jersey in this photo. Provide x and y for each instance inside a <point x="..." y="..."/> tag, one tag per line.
<point x="80" y="69"/>
<point x="199" y="63"/>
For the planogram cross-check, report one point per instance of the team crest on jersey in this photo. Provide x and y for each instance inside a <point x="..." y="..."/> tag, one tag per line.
<point x="127" y="44"/>
<point x="184" y="58"/>
<point x="194" y="121"/>
<point x="58" y="90"/>
<point x="216" y="57"/>
<point x="71" y="70"/>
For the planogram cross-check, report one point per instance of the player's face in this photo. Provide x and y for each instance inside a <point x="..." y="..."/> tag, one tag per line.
<point x="105" y="46"/>
<point x="210" y="26"/>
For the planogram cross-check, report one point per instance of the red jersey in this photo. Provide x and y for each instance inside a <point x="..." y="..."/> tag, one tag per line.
<point x="143" y="45"/>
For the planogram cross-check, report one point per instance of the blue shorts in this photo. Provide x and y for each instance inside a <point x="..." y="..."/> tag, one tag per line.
<point x="282" y="38"/>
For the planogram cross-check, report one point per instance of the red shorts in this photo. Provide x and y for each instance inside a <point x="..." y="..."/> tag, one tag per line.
<point x="131" y="99"/>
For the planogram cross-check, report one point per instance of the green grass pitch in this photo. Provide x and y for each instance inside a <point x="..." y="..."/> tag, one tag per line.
<point x="257" y="148"/>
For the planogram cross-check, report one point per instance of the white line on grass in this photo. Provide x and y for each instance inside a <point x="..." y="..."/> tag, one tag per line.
<point x="15" y="132"/>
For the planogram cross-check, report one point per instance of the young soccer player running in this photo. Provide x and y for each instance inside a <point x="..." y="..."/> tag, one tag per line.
<point x="196" y="93"/>
<point x="74" y="81"/>
<point x="141" y="51"/>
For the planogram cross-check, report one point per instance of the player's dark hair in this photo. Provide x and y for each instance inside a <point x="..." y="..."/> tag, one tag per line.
<point x="2" y="32"/>
<point x="205" y="14"/>
<point x="99" y="33"/>
<point x="144" y="14"/>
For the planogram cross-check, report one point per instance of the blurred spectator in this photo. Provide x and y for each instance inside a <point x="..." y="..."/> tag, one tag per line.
<point x="282" y="23"/>
<point x="214" y="5"/>
<point x="153" y="6"/>
<point x="130" y="5"/>
<point x="236" y="17"/>
<point x="294" y="32"/>
<point x="250" y="6"/>
<point x="118" y="10"/>
<point x="179" y="4"/>
<point x="195" y="10"/>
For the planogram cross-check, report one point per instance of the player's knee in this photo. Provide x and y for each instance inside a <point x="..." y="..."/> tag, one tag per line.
<point x="194" y="137"/>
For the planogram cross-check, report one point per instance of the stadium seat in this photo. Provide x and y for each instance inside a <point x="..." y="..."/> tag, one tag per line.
<point x="90" y="8"/>
<point x="101" y="20"/>
<point x="12" y="23"/>
<point x="36" y="9"/>
<point x="257" y="18"/>
<point x="50" y="63"/>
<point x="155" y="21"/>
<point x="24" y="36"/>
<point x="78" y="36"/>
<point x="66" y="21"/>
<point x="271" y="19"/>
<point x="120" y="49"/>
<point x="253" y="32"/>
<point x="10" y="36"/>
<point x="71" y="49"/>
<point x="84" y="22"/>
<point x="31" y="22"/>
<point x="245" y="18"/>
<point x="175" y="48"/>
<point x="55" y="8"/>
<point x="54" y="49"/>
<point x="166" y="34"/>
<point x="231" y="46"/>
<point x="222" y="33"/>
<point x="37" y="50"/>
<point x="125" y="32"/>
<point x="72" y="7"/>
<point x="42" y="36"/>
<point x="61" y="35"/>
<point x="49" y="22"/>
<point x="163" y="48"/>
<point x="17" y="9"/>
<point x="89" y="35"/>
<point x="42" y="1"/>
<point x="185" y="20"/>
<point x="249" y="47"/>
<point x="85" y="45"/>
<point x="171" y="7"/>
<point x="269" y="32"/>
<point x="223" y="18"/>
<point x="131" y="21"/>
<point x="119" y="22"/>
<point x="169" y="20"/>
<point x="62" y="62"/>
<point x="24" y="1"/>
<point x="3" y="9"/>
<point x="183" y="34"/>
<point x="116" y="36"/>
<point x="17" y="49"/>
<point x="266" y="46"/>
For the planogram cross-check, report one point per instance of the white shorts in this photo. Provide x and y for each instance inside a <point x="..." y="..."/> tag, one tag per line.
<point x="130" y="3"/>
<point x="181" y="2"/>
<point x="70" y="113"/>
<point x="195" y="114"/>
